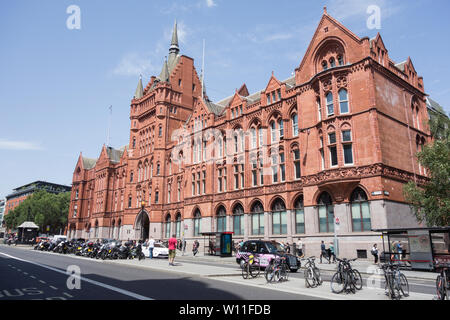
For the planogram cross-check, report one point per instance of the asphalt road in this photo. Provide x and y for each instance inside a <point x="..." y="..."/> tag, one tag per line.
<point x="32" y="275"/>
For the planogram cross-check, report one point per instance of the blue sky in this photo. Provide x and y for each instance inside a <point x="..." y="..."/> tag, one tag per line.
<point x="56" y="84"/>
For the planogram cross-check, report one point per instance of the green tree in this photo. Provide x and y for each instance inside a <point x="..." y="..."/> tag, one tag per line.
<point x="431" y="202"/>
<point x="45" y="209"/>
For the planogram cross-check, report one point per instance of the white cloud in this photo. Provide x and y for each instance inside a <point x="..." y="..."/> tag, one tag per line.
<point x="210" y="3"/>
<point x="133" y="64"/>
<point x="18" y="145"/>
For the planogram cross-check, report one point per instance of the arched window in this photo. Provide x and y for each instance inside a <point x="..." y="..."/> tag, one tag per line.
<point x="238" y="220"/>
<point x="178" y="225"/>
<point x="299" y="215"/>
<point x="343" y="101"/>
<point x="297" y="166"/>
<point x="279" y="217"/>
<point x="330" y="106"/>
<point x="332" y="62"/>
<point x="273" y="131"/>
<point x="326" y="213"/>
<point x="340" y="60"/>
<point x="295" y="125"/>
<point x="360" y="211"/>
<point x="324" y="65"/>
<point x="253" y="133"/>
<point x="257" y="212"/>
<point x="167" y="227"/>
<point x="221" y="219"/>
<point x="197" y="219"/>
<point x="281" y="128"/>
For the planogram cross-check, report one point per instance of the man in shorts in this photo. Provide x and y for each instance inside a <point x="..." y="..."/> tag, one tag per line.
<point x="172" y="249"/>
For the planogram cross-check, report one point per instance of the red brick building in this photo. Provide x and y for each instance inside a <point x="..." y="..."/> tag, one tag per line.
<point x="337" y="140"/>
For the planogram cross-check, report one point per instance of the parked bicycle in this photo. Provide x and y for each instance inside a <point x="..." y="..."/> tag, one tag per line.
<point x="443" y="282"/>
<point x="346" y="278"/>
<point x="396" y="284"/>
<point x="312" y="273"/>
<point x="251" y="267"/>
<point x="277" y="270"/>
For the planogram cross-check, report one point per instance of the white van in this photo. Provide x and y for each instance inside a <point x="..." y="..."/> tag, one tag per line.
<point x="59" y="237"/>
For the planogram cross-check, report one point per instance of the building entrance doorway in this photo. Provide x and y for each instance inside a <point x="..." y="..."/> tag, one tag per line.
<point x="142" y="225"/>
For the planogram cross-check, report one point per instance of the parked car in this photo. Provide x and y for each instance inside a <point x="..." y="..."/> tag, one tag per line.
<point x="39" y="239"/>
<point x="266" y="251"/>
<point x="159" y="251"/>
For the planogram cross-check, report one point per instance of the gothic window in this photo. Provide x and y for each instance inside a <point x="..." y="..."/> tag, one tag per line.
<point x="238" y="220"/>
<point x="299" y="215"/>
<point x="295" y="125"/>
<point x="326" y="213"/>
<point x="221" y="219"/>
<point x="167" y="226"/>
<point x="279" y="217"/>
<point x="197" y="219"/>
<point x="257" y="213"/>
<point x="360" y="211"/>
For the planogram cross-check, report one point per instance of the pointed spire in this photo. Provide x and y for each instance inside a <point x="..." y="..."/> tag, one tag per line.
<point x="174" y="44"/>
<point x="139" y="90"/>
<point x="164" y="76"/>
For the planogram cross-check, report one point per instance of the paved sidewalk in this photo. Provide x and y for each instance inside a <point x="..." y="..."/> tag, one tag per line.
<point x="365" y="267"/>
<point x="226" y="269"/>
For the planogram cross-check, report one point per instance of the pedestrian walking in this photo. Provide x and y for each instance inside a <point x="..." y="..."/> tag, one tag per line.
<point x="183" y="245"/>
<point x="374" y="252"/>
<point x="323" y="251"/>
<point x="172" y="249"/>
<point x="332" y="254"/>
<point x="300" y="247"/>
<point x="151" y="246"/>
<point x="195" y="247"/>
<point x="400" y="251"/>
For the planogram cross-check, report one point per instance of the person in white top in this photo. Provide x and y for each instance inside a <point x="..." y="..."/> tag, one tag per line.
<point x="300" y="247"/>
<point x="151" y="245"/>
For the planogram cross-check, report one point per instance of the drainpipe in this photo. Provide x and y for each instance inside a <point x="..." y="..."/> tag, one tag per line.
<point x="409" y="137"/>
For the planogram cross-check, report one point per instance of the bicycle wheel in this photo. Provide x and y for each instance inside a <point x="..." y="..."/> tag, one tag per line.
<point x="404" y="286"/>
<point x="245" y="272"/>
<point x="440" y="287"/>
<point x="357" y="280"/>
<point x="310" y="281"/>
<point x="390" y="286"/>
<point x="317" y="276"/>
<point x="269" y="273"/>
<point x="254" y="270"/>
<point x="277" y="276"/>
<point x="284" y="273"/>
<point x="337" y="283"/>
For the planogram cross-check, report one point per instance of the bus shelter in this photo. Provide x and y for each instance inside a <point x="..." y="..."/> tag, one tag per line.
<point x="27" y="232"/>
<point x="217" y="243"/>
<point x="421" y="248"/>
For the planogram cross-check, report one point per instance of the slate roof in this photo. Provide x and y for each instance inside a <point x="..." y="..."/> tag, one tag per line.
<point x="89" y="163"/>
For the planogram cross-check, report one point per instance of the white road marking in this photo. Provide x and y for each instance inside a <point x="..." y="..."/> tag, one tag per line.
<point x="97" y="283"/>
<point x="25" y="273"/>
<point x="42" y="282"/>
<point x="54" y="288"/>
<point x="67" y="295"/>
<point x="33" y="277"/>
